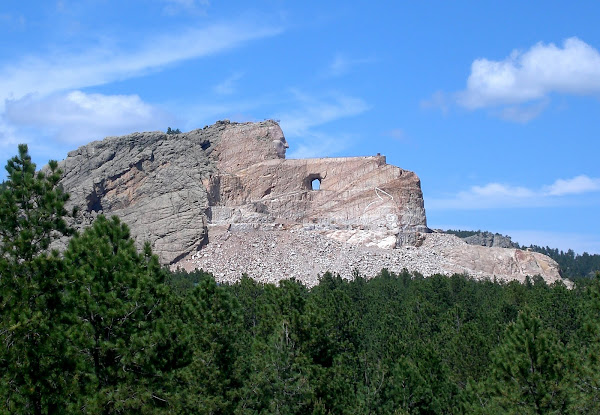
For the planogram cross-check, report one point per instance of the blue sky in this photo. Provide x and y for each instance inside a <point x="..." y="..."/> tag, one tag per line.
<point x="495" y="105"/>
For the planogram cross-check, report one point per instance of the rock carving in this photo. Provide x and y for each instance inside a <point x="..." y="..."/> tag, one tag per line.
<point x="226" y="195"/>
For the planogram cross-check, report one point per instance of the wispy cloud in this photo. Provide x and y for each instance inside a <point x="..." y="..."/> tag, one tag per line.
<point x="8" y="139"/>
<point x="319" y="144"/>
<point x="77" y="117"/>
<point x="498" y="195"/>
<point x="397" y="134"/>
<point x="44" y="92"/>
<point x="316" y="111"/>
<point x="312" y="112"/>
<point x="342" y="64"/>
<point x="522" y="113"/>
<point x="228" y="86"/>
<point x="518" y="87"/>
<point x="209" y="110"/>
<point x="12" y="21"/>
<point x="173" y="7"/>
<point x="63" y="70"/>
<point x="439" y="100"/>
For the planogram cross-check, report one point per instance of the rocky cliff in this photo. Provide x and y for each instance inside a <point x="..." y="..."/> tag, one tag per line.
<point x="191" y="194"/>
<point x="489" y="239"/>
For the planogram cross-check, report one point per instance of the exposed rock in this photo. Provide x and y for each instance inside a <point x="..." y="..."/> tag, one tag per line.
<point x="360" y="198"/>
<point x="224" y="198"/>
<point x="272" y="255"/>
<point x="155" y="182"/>
<point x="504" y="264"/>
<point x="490" y="240"/>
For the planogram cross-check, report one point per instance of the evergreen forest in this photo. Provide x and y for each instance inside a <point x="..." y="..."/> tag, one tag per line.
<point x="102" y="328"/>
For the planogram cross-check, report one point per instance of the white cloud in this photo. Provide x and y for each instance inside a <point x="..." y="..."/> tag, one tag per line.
<point x="528" y="76"/>
<point x="498" y="195"/>
<point x="227" y="87"/>
<point x="38" y="91"/>
<point x="576" y="185"/>
<point x="8" y="141"/>
<point x="317" y="111"/>
<point x="63" y="70"/>
<point x="77" y="118"/>
<point x="493" y="190"/>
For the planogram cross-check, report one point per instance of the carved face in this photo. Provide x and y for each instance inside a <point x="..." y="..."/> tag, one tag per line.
<point x="280" y="145"/>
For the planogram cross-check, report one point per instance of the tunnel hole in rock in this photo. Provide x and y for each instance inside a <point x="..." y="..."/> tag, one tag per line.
<point x="313" y="182"/>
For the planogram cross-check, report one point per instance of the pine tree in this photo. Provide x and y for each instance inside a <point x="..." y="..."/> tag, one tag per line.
<point x="212" y="320"/>
<point x="587" y="373"/>
<point x="126" y="339"/>
<point x="35" y="376"/>
<point x="530" y="375"/>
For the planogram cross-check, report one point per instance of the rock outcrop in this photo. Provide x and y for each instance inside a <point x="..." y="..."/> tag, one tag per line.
<point x="492" y="240"/>
<point x="230" y="186"/>
<point x="170" y="188"/>
<point x="152" y="181"/>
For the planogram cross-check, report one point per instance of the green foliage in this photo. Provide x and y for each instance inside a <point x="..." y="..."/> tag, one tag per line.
<point x="572" y="265"/>
<point x="32" y="209"/>
<point x="213" y="322"/>
<point x="105" y="329"/>
<point x="183" y="282"/>
<point x="33" y="369"/>
<point x="123" y="333"/>
<point x="170" y="131"/>
<point x="530" y="375"/>
<point x="587" y="355"/>
<point x="461" y="233"/>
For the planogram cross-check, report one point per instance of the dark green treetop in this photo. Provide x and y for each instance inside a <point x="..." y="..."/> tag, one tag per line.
<point x="32" y="341"/>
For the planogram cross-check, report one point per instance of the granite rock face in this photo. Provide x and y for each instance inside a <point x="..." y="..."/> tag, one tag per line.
<point x="152" y="181"/>
<point x="170" y="188"/>
<point x="188" y="194"/>
<point x="492" y="240"/>
<point x="357" y="197"/>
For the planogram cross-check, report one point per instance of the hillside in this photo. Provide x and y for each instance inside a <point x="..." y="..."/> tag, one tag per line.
<point x="572" y="265"/>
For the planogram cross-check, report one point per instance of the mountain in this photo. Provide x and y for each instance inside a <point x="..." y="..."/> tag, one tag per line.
<point x="224" y="198"/>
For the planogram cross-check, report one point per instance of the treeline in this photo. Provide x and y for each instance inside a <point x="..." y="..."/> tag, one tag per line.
<point x="103" y="329"/>
<point x="410" y="345"/>
<point x="463" y="234"/>
<point x="572" y="265"/>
